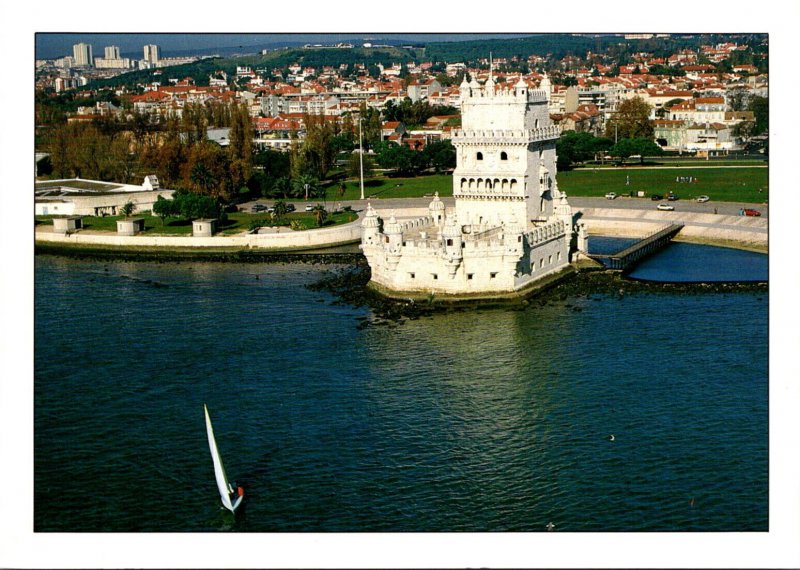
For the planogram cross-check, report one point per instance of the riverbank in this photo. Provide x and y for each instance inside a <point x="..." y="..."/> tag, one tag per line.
<point x="592" y="282"/>
<point x="738" y="232"/>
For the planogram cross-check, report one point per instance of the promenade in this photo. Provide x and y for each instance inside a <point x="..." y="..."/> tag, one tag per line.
<point x="712" y="223"/>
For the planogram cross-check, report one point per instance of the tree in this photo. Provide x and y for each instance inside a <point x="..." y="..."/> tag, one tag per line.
<point x="316" y="153"/>
<point x="128" y="209"/>
<point x="279" y="210"/>
<point x="573" y="147"/>
<point x="164" y="208"/>
<point x="320" y="214"/>
<point x="354" y="166"/>
<point x="441" y="155"/>
<point x="624" y="148"/>
<point x="305" y="186"/>
<point x="639" y="146"/>
<point x="744" y="130"/>
<point x="282" y="186"/>
<point x="632" y="120"/>
<point x="760" y="108"/>
<point x="240" y="149"/>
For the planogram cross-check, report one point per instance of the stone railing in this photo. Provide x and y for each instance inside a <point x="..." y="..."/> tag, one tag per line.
<point x="547" y="232"/>
<point x="506" y="136"/>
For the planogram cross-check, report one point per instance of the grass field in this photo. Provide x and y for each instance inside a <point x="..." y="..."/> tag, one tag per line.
<point x="720" y="184"/>
<point x="395" y="188"/>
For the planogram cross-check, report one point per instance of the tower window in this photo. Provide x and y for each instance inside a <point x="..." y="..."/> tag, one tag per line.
<point x="503" y="156"/>
<point x="479" y="156"/>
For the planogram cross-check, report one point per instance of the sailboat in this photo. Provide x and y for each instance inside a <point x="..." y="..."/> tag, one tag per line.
<point x="226" y="491"/>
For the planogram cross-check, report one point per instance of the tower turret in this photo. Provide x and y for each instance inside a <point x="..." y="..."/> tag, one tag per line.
<point x="394" y="242"/>
<point x="436" y="209"/>
<point x="370" y="227"/>
<point x="453" y="249"/>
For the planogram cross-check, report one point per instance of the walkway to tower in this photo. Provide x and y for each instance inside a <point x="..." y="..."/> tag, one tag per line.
<point x="630" y="256"/>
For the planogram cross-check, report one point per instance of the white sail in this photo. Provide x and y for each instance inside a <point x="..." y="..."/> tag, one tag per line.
<point x="219" y="469"/>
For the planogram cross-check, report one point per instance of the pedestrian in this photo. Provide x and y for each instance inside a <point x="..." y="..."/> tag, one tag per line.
<point x="715" y="210"/>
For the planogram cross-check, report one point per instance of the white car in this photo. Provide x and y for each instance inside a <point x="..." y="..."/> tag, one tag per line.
<point x="309" y="208"/>
<point x="611" y="195"/>
<point x="703" y="198"/>
<point x="666" y="207"/>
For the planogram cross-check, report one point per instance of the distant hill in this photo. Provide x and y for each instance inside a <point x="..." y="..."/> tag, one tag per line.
<point x="555" y="45"/>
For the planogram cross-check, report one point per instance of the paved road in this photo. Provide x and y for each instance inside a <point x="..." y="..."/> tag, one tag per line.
<point x="622" y="203"/>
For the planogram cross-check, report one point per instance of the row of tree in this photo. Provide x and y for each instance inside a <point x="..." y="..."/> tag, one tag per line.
<point x="180" y="154"/>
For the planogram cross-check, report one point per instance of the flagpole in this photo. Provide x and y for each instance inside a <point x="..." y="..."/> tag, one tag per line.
<point x="361" y="156"/>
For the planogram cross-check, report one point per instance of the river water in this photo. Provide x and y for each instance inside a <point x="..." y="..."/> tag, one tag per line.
<point x="493" y="420"/>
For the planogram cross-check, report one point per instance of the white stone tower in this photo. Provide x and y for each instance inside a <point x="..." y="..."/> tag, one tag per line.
<point x="510" y="226"/>
<point x="506" y="155"/>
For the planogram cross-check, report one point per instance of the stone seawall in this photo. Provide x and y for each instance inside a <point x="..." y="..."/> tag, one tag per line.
<point x="282" y="239"/>
<point x="741" y="231"/>
<point x="734" y="231"/>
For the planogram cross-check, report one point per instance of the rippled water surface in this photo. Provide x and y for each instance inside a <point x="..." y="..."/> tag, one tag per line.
<point x="468" y="421"/>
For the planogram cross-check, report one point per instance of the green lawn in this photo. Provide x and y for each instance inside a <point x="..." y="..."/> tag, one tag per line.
<point x="721" y="184"/>
<point x="395" y="188"/>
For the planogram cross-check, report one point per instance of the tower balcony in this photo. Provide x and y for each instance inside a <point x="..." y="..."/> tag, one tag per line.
<point x="501" y="136"/>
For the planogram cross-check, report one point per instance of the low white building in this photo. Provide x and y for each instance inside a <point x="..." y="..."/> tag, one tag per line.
<point x="510" y="227"/>
<point x="76" y="196"/>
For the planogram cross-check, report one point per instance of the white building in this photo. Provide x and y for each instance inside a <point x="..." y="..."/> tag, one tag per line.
<point x="511" y="225"/>
<point x="79" y="197"/>
<point x="152" y="54"/>
<point x="82" y="54"/>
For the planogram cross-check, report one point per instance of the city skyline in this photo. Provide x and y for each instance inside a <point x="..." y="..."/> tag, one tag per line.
<point x="55" y="45"/>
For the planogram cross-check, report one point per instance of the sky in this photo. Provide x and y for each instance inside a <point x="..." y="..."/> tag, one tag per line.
<point x="55" y="45"/>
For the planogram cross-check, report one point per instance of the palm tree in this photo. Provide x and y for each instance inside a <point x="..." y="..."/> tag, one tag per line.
<point x="320" y="214"/>
<point x="279" y="209"/>
<point x="128" y="209"/>
<point x="202" y="177"/>
<point x="305" y="185"/>
<point x="282" y="186"/>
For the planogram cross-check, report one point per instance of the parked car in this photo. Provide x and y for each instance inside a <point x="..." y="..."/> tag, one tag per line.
<point x="749" y="212"/>
<point x="611" y="196"/>
<point x="258" y="208"/>
<point x="656" y="197"/>
<point x="703" y="198"/>
<point x="290" y="208"/>
<point x="672" y="197"/>
<point x="666" y="207"/>
<point x="309" y="208"/>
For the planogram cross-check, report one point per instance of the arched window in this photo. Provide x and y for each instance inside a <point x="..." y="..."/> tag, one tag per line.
<point x="479" y="156"/>
<point x="503" y="156"/>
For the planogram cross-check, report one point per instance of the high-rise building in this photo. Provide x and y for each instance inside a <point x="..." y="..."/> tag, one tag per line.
<point x="152" y="53"/>
<point x="82" y="53"/>
<point x="112" y="52"/>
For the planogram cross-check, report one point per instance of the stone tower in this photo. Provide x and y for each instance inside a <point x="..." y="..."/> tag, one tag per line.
<point x="510" y="225"/>
<point x="506" y="155"/>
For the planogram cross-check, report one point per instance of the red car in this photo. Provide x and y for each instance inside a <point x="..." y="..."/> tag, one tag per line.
<point x="749" y="212"/>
